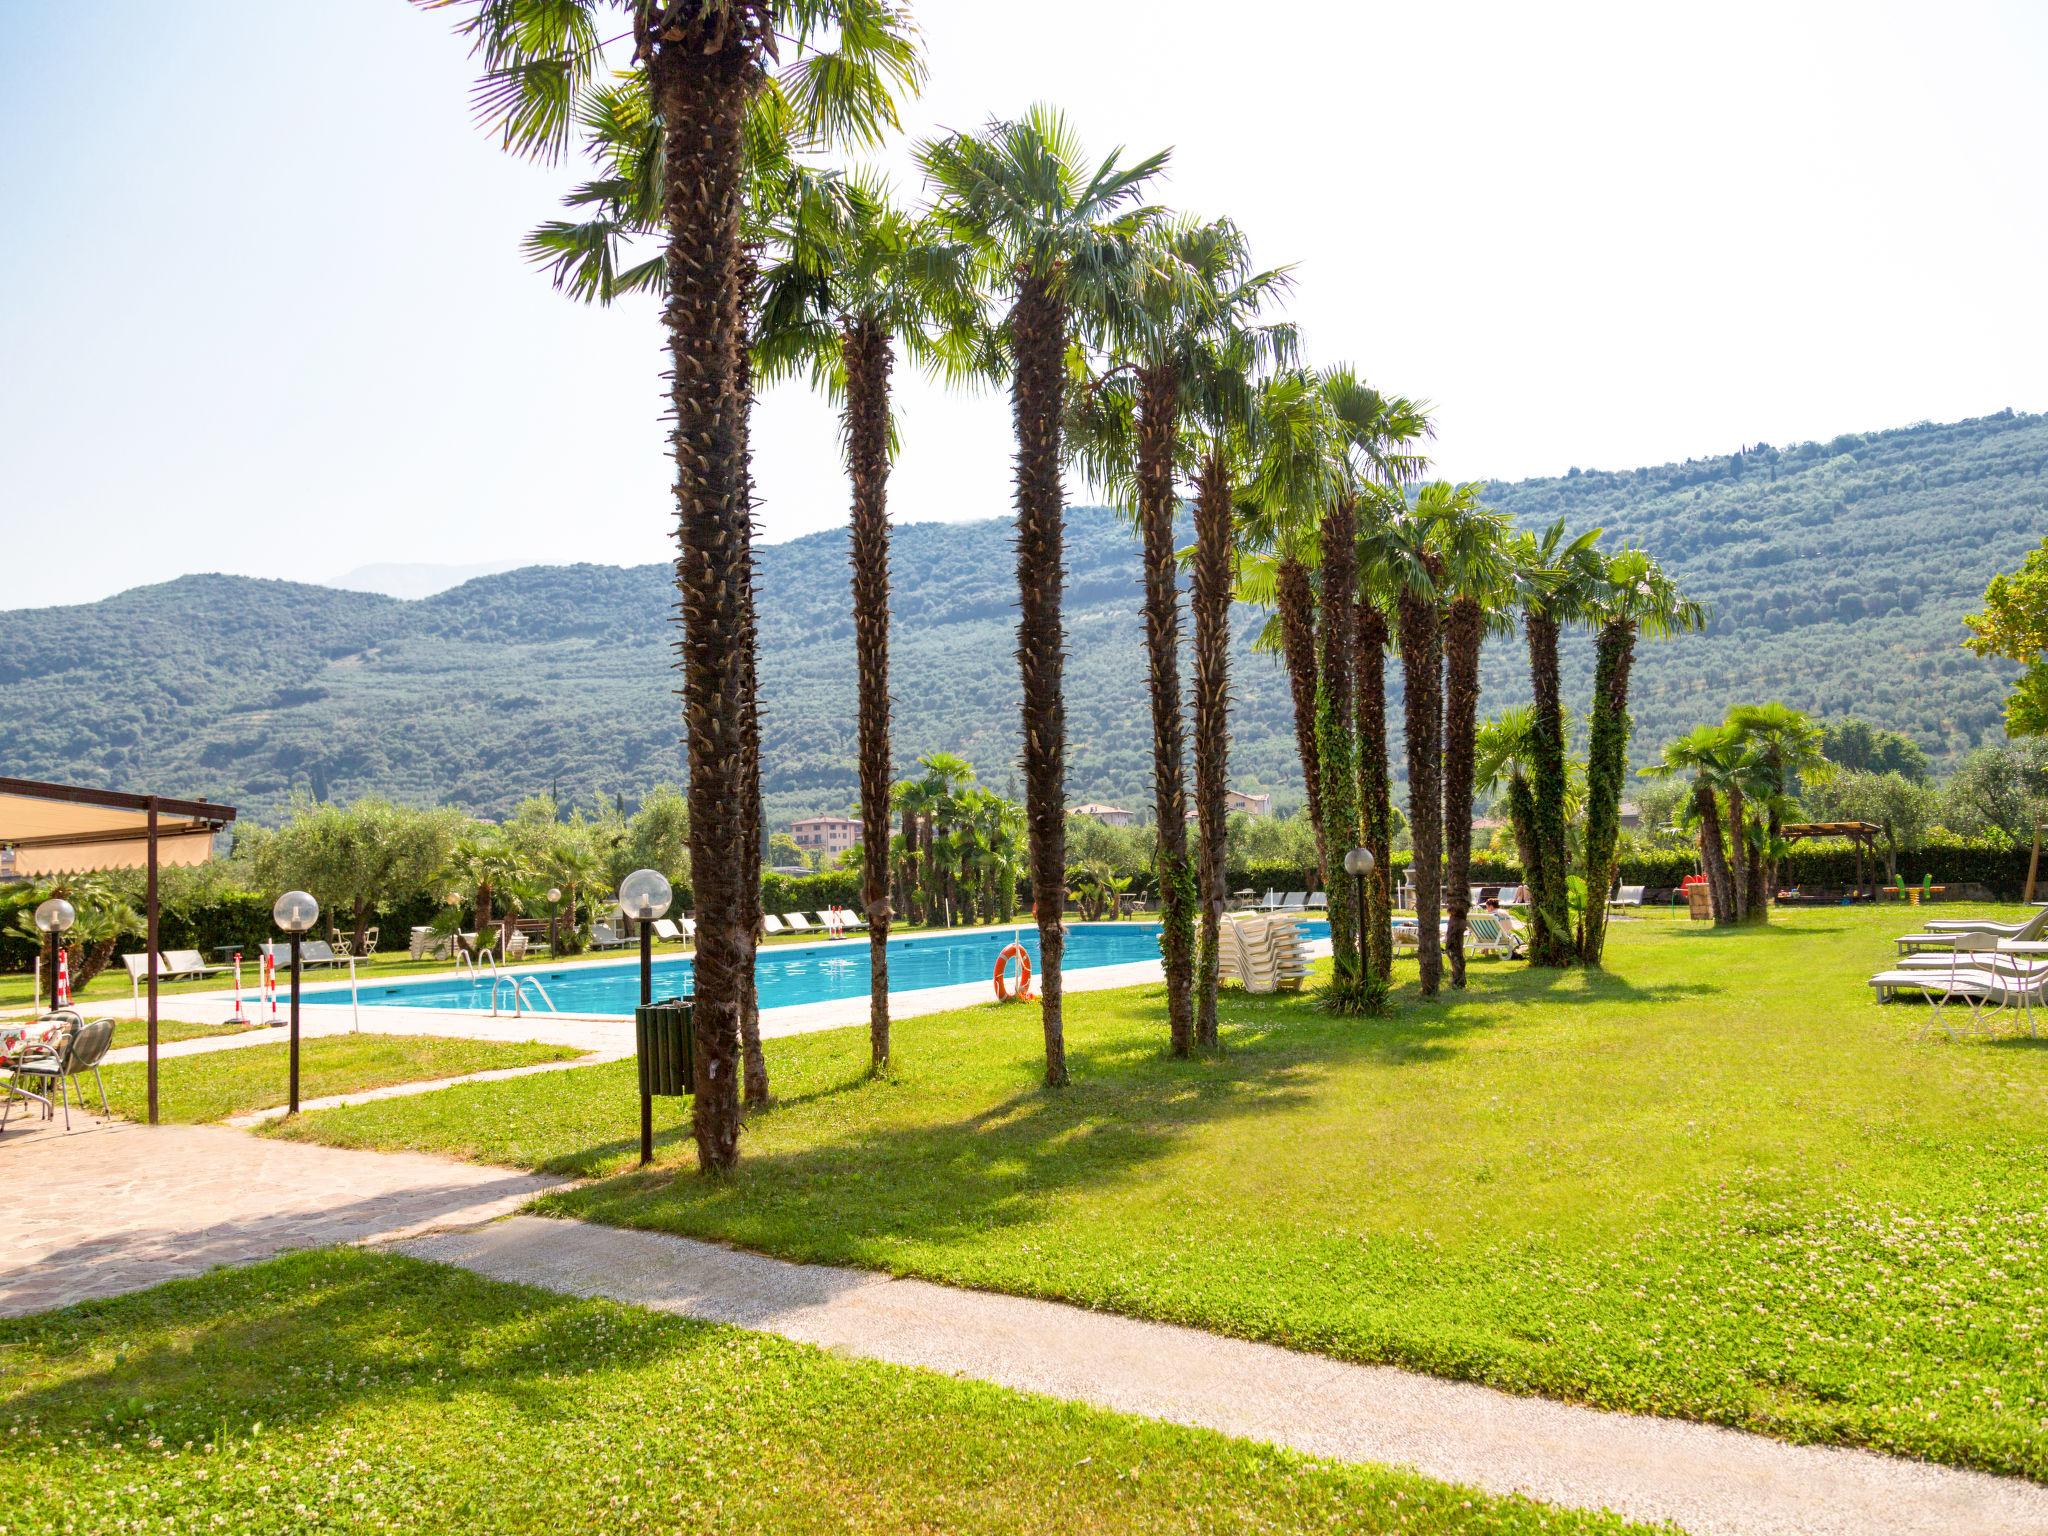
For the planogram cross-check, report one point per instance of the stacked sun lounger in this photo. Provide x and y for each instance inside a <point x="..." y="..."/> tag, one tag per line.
<point x="1262" y="952"/>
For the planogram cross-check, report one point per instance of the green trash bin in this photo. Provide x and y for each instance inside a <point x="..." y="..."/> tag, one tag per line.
<point x="665" y="1036"/>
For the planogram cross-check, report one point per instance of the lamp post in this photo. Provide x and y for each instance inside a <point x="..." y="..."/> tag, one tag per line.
<point x="295" y="912"/>
<point x="554" y="921"/>
<point x="54" y="917"/>
<point x="1358" y="864"/>
<point x="644" y="895"/>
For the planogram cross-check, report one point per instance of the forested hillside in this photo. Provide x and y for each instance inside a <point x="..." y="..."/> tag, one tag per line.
<point x="1838" y="574"/>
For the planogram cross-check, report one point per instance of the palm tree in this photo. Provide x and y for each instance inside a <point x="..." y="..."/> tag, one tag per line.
<point x="673" y="137"/>
<point x="1179" y="341"/>
<point x="481" y="860"/>
<point x="1713" y="756"/>
<point x="1407" y="549"/>
<point x="1502" y="757"/>
<point x="1060" y="237"/>
<point x="1281" y="549"/>
<point x="1374" y="443"/>
<point x="1552" y="579"/>
<point x="854" y="280"/>
<point x="1472" y="543"/>
<point x="1633" y="596"/>
<point x="1781" y="744"/>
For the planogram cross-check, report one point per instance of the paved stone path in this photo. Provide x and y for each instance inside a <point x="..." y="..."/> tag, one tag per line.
<point x="1708" y="1481"/>
<point x="115" y="1206"/>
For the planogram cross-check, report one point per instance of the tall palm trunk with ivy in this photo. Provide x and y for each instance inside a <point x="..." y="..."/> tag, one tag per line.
<point x="868" y="358"/>
<point x="1158" y="416"/>
<point x="1211" y="604"/>
<point x="1606" y="773"/>
<point x="1335" y="744"/>
<point x="753" y="1063"/>
<point x="1422" y="661"/>
<point x="1375" y="791"/>
<point x="1464" y="633"/>
<point x="703" y="76"/>
<point x="1550" y="940"/>
<point x="1295" y="599"/>
<point x="1039" y="335"/>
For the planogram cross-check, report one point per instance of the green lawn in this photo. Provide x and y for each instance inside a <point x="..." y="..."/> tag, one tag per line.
<point x="218" y="1084"/>
<point x="136" y="1031"/>
<point x="349" y="1391"/>
<point x="1717" y="1181"/>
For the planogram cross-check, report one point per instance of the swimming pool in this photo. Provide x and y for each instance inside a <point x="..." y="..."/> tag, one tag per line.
<point x="788" y="975"/>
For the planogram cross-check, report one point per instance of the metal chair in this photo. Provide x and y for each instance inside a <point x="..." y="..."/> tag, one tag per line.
<point x="76" y="1053"/>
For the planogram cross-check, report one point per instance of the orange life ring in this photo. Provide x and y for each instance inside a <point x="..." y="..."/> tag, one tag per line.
<point x="1003" y="995"/>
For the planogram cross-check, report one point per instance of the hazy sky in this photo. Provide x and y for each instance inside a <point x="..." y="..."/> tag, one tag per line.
<point x="262" y="307"/>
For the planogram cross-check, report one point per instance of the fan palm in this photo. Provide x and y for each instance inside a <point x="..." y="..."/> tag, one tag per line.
<point x="672" y="141"/>
<point x="1502" y="755"/>
<point x="855" y="279"/>
<point x="1553" y="577"/>
<point x="1781" y="745"/>
<point x="1472" y="543"/>
<point x="1376" y="438"/>
<point x="1633" y="596"/>
<point x="1181" y="341"/>
<point x="1713" y="756"/>
<point x="1060" y="236"/>
<point x="1405" y="547"/>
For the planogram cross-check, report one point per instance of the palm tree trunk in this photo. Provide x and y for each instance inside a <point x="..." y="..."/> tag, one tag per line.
<point x="1550" y="941"/>
<point x="1295" y="597"/>
<point x="702" y="81"/>
<point x="1375" y="790"/>
<point x="1606" y="772"/>
<point x="1422" y="662"/>
<point x="1211" y="604"/>
<point x="753" y="1064"/>
<point x="1337" y="631"/>
<point x="1522" y="821"/>
<point x="483" y="914"/>
<point x="907" y="868"/>
<point x="1714" y="854"/>
<point x="1039" y="335"/>
<point x="868" y="359"/>
<point x="1738" y="854"/>
<point x="1158" y="418"/>
<point x="1464" y="633"/>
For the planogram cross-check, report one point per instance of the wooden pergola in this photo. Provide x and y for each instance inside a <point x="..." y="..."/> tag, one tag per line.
<point x="1862" y="835"/>
<point x="70" y="829"/>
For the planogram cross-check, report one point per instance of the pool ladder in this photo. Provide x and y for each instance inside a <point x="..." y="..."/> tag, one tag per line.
<point x="518" y="986"/>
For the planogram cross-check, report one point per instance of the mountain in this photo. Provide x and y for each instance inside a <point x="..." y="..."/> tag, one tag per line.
<point x="1837" y="572"/>
<point x="394" y="579"/>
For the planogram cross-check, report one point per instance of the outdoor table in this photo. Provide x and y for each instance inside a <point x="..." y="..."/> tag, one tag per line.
<point x="2023" y="946"/>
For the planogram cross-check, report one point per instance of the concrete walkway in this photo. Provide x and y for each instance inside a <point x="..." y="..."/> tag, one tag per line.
<point x="114" y="1206"/>
<point x="1708" y="1481"/>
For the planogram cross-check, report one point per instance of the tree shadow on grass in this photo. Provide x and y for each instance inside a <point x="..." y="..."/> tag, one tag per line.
<point x="298" y="1339"/>
<point x="852" y="1196"/>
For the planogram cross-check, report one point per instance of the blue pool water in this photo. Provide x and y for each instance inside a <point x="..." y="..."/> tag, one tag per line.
<point x="787" y="975"/>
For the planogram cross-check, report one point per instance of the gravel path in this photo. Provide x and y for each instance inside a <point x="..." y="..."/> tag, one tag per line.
<point x="1708" y="1481"/>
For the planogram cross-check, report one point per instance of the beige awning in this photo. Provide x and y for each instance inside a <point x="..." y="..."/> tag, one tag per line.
<point x="64" y="829"/>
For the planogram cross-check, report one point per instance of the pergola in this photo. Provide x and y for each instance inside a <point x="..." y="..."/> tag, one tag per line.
<point x="69" y="829"/>
<point x="1862" y="835"/>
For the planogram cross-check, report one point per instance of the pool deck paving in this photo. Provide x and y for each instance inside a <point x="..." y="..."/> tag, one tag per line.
<point x="1707" y="1480"/>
